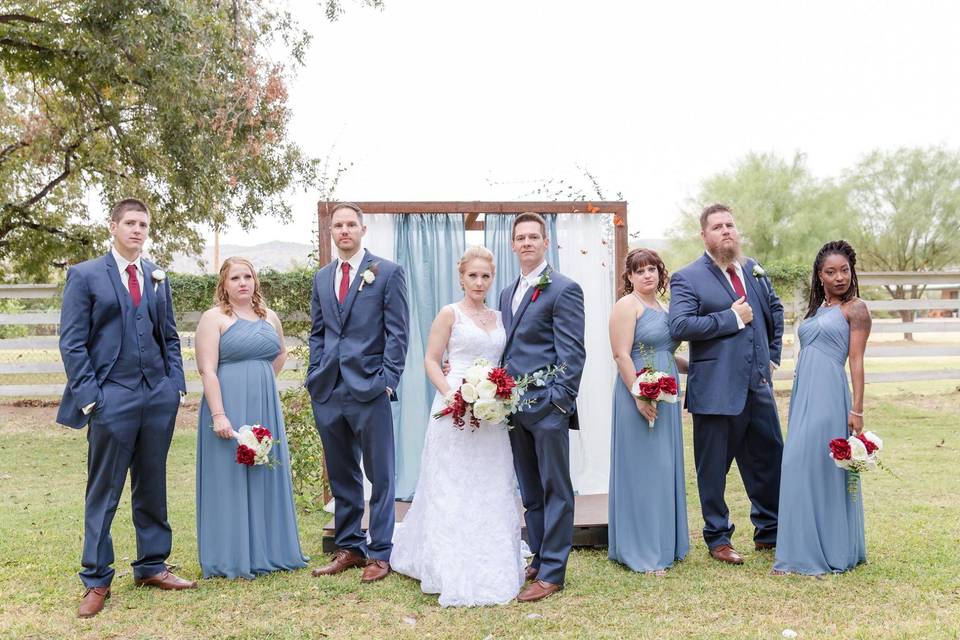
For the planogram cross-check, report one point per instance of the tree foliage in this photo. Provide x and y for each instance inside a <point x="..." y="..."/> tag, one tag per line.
<point x="173" y="101"/>
<point x="784" y="213"/>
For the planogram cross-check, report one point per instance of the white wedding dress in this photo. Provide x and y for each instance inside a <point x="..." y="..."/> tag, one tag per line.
<point x="461" y="536"/>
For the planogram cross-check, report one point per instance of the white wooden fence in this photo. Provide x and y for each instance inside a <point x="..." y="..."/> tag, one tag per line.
<point x="949" y="347"/>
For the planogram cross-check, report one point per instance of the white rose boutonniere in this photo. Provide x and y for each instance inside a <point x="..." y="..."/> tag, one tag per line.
<point x="367" y="276"/>
<point x="158" y="276"/>
<point x="758" y="271"/>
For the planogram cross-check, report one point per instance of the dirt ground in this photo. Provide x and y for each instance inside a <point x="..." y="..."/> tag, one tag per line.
<point x="20" y="416"/>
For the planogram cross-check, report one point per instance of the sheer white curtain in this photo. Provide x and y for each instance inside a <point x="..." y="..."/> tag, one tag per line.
<point x="586" y="245"/>
<point x="378" y="241"/>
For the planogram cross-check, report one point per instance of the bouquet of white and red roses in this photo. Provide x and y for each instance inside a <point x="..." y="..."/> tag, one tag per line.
<point x="856" y="454"/>
<point x="255" y="443"/>
<point x="491" y="394"/>
<point x="654" y="386"/>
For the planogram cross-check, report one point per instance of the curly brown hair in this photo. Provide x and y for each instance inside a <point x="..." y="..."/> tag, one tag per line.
<point x="639" y="258"/>
<point x="223" y="300"/>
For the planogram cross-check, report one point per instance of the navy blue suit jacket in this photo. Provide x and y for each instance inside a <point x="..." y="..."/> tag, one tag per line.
<point x="545" y="332"/>
<point x="91" y="331"/>
<point x="720" y="353"/>
<point x="370" y="352"/>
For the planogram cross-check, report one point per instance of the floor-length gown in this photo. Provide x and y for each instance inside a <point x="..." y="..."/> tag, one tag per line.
<point x="821" y="523"/>
<point x="461" y="536"/>
<point x="647" y="528"/>
<point x="246" y="519"/>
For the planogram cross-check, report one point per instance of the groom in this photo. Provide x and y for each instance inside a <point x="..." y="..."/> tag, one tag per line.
<point x="121" y="352"/>
<point x="358" y="347"/>
<point x="725" y="306"/>
<point x="543" y="316"/>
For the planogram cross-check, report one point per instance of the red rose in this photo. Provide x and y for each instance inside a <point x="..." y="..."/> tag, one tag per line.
<point x="650" y="390"/>
<point x="840" y="449"/>
<point x="668" y="385"/>
<point x="869" y="445"/>
<point x="504" y="381"/>
<point x="262" y="433"/>
<point x="246" y="455"/>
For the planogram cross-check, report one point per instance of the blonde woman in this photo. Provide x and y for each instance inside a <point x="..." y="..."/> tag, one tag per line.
<point x="246" y="522"/>
<point x="461" y="536"/>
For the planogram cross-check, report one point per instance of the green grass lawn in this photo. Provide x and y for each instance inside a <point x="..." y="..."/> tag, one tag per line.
<point x="909" y="589"/>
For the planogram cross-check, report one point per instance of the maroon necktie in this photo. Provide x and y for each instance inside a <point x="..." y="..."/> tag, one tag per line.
<point x="344" y="282"/>
<point x="736" y="282"/>
<point x="134" y="284"/>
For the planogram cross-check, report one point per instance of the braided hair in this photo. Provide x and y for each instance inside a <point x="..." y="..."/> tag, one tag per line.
<point x="817" y="294"/>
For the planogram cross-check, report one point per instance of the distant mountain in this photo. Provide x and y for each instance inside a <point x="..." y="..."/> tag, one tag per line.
<point x="281" y="256"/>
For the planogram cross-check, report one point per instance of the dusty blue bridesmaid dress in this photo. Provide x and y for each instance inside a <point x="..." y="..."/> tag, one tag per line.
<point x="647" y="503"/>
<point x="821" y="524"/>
<point x="246" y="520"/>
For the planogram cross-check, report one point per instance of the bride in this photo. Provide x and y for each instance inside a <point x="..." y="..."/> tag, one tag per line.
<point x="461" y="536"/>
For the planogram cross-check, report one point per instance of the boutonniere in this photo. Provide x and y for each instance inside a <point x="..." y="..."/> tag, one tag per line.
<point x="542" y="284"/>
<point x="758" y="271"/>
<point x="368" y="275"/>
<point x="158" y="276"/>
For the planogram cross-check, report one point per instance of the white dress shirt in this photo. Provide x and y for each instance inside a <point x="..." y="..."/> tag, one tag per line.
<point x="526" y="281"/>
<point x="122" y="265"/>
<point x="739" y="268"/>
<point x="354" y="262"/>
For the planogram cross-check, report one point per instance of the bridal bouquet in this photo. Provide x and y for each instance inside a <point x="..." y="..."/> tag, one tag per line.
<point x="255" y="442"/>
<point x="491" y="394"/>
<point x="654" y="386"/>
<point x="856" y="454"/>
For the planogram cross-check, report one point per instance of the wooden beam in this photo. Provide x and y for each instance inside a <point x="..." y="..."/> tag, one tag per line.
<point x="479" y="206"/>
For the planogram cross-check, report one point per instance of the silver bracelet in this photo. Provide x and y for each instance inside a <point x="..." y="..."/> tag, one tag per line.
<point x="852" y="412"/>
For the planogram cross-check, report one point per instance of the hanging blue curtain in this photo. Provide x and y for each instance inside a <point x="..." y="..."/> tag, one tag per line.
<point x="427" y="246"/>
<point x="497" y="236"/>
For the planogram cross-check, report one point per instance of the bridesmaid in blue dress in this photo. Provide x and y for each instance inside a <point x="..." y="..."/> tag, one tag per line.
<point x="821" y="523"/>
<point x="246" y="520"/>
<point x="648" y="506"/>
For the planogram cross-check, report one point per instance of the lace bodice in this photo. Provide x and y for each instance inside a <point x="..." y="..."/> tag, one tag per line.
<point x="468" y="341"/>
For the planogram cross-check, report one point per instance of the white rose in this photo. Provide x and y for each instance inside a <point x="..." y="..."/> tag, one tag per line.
<point x="368" y="276"/>
<point x="858" y="451"/>
<point x="158" y="275"/>
<point x="485" y="409"/>
<point x="487" y="390"/>
<point x="468" y="392"/>
<point x="475" y="375"/>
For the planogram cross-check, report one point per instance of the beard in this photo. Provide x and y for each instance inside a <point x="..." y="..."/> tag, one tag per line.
<point x="726" y="253"/>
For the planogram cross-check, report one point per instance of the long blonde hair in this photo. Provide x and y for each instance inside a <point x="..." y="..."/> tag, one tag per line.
<point x="221" y="297"/>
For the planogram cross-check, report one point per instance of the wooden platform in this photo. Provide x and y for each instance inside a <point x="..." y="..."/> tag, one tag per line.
<point x="589" y="522"/>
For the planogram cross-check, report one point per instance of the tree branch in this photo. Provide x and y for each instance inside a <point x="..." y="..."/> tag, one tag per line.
<point x="7" y="18"/>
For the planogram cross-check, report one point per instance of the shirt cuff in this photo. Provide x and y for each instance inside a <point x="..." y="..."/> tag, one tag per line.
<point x="89" y="408"/>
<point x="740" y="324"/>
<point x="774" y="366"/>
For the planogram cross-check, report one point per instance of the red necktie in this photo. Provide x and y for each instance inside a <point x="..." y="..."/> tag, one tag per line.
<point x="344" y="282"/>
<point x="134" y="284"/>
<point x="736" y="282"/>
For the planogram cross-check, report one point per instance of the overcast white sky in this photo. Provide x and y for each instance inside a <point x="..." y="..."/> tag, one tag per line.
<point x="436" y="99"/>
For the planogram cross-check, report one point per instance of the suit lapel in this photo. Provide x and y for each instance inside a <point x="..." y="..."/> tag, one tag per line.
<point x="719" y="275"/>
<point x="148" y="293"/>
<point x="355" y="286"/>
<point x="755" y="292"/>
<point x="113" y="275"/>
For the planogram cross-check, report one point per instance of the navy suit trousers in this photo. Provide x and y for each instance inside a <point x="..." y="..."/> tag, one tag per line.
<point x="129" y="429"/>
<point x="349" y="428"/>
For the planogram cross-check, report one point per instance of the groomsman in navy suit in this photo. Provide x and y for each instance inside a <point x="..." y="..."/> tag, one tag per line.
<point x="121" y="352"/>
<point x="543" y="316"/>
<point x="358" y="347"/>
<point x="727" y="309"/>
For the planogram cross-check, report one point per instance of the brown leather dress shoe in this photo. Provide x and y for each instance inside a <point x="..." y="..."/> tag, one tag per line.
<point x="375" y="570"/>
<point x="763" y="546"/>
<point x="538" y="590"/>
<point x="726" y="553"/>
<point x="342" y="560"/>
<point x="166" y="580"/>
<point x="92" y="602"/>
<point x="530" y="573"/>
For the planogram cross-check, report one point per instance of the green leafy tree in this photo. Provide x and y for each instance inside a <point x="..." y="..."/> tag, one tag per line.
<point x="174" y="101"/>
<point x="908" y="204"/>
<point x="783" y="212"/>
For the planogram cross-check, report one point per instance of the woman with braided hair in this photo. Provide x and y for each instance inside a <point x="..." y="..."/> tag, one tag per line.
<point x="821" y="521"/>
